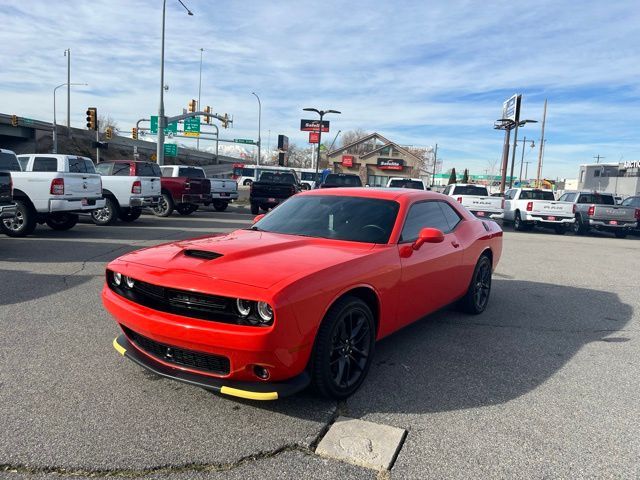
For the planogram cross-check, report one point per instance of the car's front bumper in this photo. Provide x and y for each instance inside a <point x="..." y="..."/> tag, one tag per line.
<point x="248" y="390"/>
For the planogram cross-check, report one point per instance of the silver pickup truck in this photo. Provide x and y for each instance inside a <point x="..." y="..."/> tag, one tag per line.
<point x="598" y="211"/>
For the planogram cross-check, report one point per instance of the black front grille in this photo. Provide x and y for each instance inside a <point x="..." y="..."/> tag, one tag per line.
<point x="187" y="358"/>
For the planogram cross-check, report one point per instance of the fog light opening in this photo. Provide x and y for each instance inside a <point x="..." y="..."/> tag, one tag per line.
<point x="261" y="372"/>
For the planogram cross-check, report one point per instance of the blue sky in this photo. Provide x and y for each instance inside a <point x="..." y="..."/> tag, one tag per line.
<point x="419" y="73"/>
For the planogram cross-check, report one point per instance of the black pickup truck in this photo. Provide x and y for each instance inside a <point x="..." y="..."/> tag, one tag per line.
<point x="272" y="189"/>
<point x="8" y="163"/>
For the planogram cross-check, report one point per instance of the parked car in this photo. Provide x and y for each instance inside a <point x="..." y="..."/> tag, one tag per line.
<point x="336" y="180"/>
<point x="53" y="190"/>
<point x="530" y="207"/>
<point x="184" y="188"/>
<point x="400" y="182"/>
<point x="8" y="164"/>
<point x="223" y="191"/>
<point x="303" y="295"/>
<point x="272" y="189"/>
<point x="476" y="199"/>
<point x="634" y="202"/>
<point x="127" y="187"/>
<point x="598" y="211"/>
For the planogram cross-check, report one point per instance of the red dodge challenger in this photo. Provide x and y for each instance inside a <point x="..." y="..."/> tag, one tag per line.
<point x="302" y="296"/>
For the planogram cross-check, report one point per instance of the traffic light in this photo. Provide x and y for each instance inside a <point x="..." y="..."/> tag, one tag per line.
<point x="134" y="133"/>
<point x="207" y="119"/>
<point x="109" y="133"/>
<point x="225" y="122"/>
<point x="14" y="120"/>
<point x="92" y="118"/>
<point x="192" y="106"/>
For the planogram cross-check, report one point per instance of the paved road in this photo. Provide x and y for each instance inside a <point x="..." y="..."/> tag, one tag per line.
<point x="543" y="384"/>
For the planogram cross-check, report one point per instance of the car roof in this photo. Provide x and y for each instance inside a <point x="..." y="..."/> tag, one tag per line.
<point x="375" y="192"/>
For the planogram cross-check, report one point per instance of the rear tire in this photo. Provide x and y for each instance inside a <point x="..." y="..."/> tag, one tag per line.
<point x="220" y="206"/>
<point x="186" y="208"/>
<point x="165" y="206"/>
<point x="344" y="348"/>
<point x="560" y="229"/>
<point x="130" y="214"/>
<point x="620" y="234"/>
<point x="578" y="227"/>
<point x="23" y="224"/>
<point x="476" y="299"/>
<point x="62" y="221"/>
<point x="518" y="224"/>
<point x="247" y="183"/>
<point x="255" y="209"/>
<point x="108" y="214"/>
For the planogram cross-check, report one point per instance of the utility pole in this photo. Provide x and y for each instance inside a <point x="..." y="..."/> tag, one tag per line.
<point x="199" y="94"/>
<point x="435" y="163"/>
<point x="67" y="53"/>
<point x="544" y="120"/>
<point x="526" y="171"/>
<point x="598" y="157"/>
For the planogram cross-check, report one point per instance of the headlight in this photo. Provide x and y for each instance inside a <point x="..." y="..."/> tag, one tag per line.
<point x="129" y="281"/>
<point x="265" y="311"/>
<point x="117" y="278"/>
<point x="244" y="307"/>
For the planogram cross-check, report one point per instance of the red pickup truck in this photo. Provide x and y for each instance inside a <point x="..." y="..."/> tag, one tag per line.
<point x="184" y="189"/>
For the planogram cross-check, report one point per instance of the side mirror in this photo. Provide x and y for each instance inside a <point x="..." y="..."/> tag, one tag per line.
<point x="258" y="217"/>
<point x="428" y="235"/>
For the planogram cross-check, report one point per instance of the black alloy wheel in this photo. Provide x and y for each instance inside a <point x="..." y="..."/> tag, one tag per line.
<point x="344" y="348"/>
<point x="476" y="299"/>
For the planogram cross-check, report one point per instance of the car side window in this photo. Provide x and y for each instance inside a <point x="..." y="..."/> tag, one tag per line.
<point x="45" y="164"/>
<point x="453" y="219"/>
<point x="422" y="215"/>
<point x="121" y="169"/>
<point x="76" y="165"/>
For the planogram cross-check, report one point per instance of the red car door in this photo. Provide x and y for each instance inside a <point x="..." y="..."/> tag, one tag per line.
<point x="429" y="278"/>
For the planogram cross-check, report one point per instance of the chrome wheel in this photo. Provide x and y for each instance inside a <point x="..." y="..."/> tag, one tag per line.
<point x="16" y="223"/>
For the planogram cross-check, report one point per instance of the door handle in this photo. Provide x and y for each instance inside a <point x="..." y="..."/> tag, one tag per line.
<point x="455" y="244"/>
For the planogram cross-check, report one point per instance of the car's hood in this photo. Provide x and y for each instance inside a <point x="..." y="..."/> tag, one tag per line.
<point x="259" y="259"/>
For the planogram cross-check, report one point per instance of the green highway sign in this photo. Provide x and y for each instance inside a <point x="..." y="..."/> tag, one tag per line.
<point x="192" y="126"/>
<point x="170" y="150"/>
<point x="171" y="128"/>
<point x="244" y="140"/>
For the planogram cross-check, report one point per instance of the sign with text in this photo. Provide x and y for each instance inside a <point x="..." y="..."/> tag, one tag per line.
<point x="347" y="160"/>
<point x="170" y="150"/>
<point x="192" y="126"/>
<point x="170" y="128"/>
<point x="314" y="137"/>
<point x="633" y="164"/>
<point x="244" y="140"/>
<point x="312" y="125"/>
<point x="390" y="164"/>
<point x="283" y="143"/>
<point x="511" y="108"/>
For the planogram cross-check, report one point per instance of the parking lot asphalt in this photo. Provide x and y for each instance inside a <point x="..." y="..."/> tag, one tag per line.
<point x="543" y="384"/>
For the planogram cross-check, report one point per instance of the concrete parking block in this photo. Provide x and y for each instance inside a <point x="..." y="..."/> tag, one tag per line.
<point x="362" y="443"/>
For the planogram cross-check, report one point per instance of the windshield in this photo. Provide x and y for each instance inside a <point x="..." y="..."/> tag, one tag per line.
<point x="471" y="190"/>
<point x="536" y="195"/>
<point x="272" y="177"/>
<point x="353" y="219"/>
<point x="343" y="180"/>
<point x="406" y="183"/>
<point x="8" y="161"/>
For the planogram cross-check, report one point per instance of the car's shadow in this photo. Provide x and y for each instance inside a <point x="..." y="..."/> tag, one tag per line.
<point x="450" y="360"/>
<point x="18" y="286"/>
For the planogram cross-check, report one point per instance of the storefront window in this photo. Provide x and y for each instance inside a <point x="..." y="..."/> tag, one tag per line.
<point x="377" y="180"/>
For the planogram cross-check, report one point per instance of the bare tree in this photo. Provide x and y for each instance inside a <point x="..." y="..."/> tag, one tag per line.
<point x="105" y="121"/>
<point x="352" y="136"/>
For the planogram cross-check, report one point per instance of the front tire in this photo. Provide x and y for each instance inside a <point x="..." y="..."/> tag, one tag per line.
<point x="518" y="224"/>
<point x="476" y="299"/>
<point x="24" y="222"/>
<point x="62" y="221"/>
<point x="106" y="215"/>
<point x="344" y="348"/>
<point x="165" y="206"/>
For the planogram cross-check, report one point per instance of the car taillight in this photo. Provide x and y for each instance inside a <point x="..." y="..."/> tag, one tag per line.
<point x="459" y="199"/>
<point x="57" y="186"/>
<point x="592" y="210"/>
<point x="136" y="187"/>
<point x="187" y="186"/>
<point x="637" y="213"/>
<point x="529" y="206"/>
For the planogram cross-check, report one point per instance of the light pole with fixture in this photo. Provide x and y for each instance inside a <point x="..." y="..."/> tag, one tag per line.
<point x="161" y="119"/>
<point x="55" y="125"/>
<point x="521" y="123"/>
<point x="259" y="124"/>
<point x="524" y="142"/>
<point x="322" y="113"/>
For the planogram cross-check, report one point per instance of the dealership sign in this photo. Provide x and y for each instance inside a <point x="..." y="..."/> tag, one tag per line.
<point x="314" y="137"/>
<point x="634" y="164"/>
<point x="347" y="160"/>
<point x="511" y="108"/>
<point x="312" y="125"/>
<point x="390" y="164"/>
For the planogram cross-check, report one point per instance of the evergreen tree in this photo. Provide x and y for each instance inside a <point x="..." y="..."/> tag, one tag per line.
<point x="452" y="177"/>
<point x="465" y="177"/>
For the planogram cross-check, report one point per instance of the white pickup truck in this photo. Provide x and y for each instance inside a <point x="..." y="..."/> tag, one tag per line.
<point x="127" y="186"/>
<point x="53" y="190"/>
<point x="223" y="191"/>
<point x="476" y="199"/>
<point x="528" y="207"/>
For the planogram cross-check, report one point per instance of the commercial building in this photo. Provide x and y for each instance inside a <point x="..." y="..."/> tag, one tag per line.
<point x="376" y="159"/>
<point x="621" y="178"/>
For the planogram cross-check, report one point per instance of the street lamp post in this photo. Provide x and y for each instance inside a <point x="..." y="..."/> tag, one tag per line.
<point x="322" y="113"/>
<point x="161" y="119"/>
<point x="524" y="142"/>
<point x="199" y="94"/>
<point x="55" y="125"/>
<point x="67" y="53"/>
<point x="259" y="124"/>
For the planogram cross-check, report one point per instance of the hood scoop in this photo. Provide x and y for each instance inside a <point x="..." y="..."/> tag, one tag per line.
<point x="202" y="254"/>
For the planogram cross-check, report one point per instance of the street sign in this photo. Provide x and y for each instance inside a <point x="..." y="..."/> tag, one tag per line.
<point x="171" y="128"/>
<point x="312" y="125"/>
<point x="192" y="126"/>
<point x="314" y="137"/>
<point x="244" y="140"/>
<point x="170" y="150"/>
